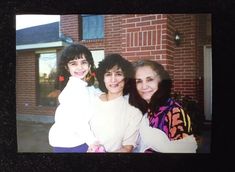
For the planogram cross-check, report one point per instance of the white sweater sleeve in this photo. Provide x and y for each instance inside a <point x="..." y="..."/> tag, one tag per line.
<point x="157" y="140"/>
<point x="132" y="131"/>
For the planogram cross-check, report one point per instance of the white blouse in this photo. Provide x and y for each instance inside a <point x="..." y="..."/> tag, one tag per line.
<point x="115" y="123"/>
<point x="72" y="116"/>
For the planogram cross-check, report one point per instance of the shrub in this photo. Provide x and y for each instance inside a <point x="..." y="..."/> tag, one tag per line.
<point x="192" y="108"/>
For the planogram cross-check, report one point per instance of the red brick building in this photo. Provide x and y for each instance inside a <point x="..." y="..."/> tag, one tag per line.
<point x="135" y="36"/>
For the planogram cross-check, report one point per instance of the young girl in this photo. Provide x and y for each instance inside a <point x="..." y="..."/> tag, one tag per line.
<point x="71" y="130"/>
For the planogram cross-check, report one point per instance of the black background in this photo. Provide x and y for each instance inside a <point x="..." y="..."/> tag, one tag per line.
<point x="223" y="112"/>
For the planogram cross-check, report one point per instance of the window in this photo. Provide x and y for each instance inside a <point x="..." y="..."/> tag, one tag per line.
<point x="46" y="79"/>
<point x="92" y="27"/>
<point x="97" y="55"/>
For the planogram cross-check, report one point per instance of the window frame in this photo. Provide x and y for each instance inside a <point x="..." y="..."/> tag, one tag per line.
<point x="82" y="28"/>
<point x="37" y="73"/>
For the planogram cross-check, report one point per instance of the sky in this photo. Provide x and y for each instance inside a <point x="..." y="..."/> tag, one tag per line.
<point x="24" y="21"/>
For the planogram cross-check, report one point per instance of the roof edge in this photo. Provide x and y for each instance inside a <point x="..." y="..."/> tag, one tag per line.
<point x="41" y="45"/>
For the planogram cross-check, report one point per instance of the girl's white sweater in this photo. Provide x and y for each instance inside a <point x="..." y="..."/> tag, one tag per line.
<point x="72" y="116"/>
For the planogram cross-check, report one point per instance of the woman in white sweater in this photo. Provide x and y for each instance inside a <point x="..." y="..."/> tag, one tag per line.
<point x="115" y="122"/>
<point x="71" y="130"/>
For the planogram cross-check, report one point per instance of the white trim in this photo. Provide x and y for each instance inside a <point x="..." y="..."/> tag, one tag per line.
<point x="51" y="50"/>
<point x="41" y="45"/>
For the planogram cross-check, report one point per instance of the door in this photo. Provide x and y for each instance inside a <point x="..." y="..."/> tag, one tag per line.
<point x="208" y="82"/>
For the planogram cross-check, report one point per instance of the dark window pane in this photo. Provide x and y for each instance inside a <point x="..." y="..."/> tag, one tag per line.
<point x="47" y="77"/>
<point x="92" y="26"/>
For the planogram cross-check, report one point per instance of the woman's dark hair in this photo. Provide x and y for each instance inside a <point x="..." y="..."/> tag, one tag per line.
<point x="71" y="52"/>
<point x="160" y="97"/>
<point x="108" y="63"/>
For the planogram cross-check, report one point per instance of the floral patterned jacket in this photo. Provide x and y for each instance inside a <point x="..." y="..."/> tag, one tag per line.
<point x="172" y="120"/>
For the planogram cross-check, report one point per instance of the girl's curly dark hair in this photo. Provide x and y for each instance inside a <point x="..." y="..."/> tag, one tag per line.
<point x="71" y="52"/>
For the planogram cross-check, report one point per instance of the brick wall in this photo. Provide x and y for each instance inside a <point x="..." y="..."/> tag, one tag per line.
<point x="185" y="60"/>
<point x="152" y="37"/>
<point x="26" y="67"/>
<point x="112" y="30"/>
<point x="144" y="37"/>
<point x="70" y="26"/>
<point x="141" y="36"/>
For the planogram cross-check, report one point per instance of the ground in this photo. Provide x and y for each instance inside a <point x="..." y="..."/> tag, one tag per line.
<point x="33" y="137"/>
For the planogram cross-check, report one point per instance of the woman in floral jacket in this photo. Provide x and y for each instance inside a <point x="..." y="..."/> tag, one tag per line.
<point x="165" y="126"/>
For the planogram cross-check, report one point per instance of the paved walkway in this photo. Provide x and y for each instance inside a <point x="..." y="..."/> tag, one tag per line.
<point x="33" y="137"/>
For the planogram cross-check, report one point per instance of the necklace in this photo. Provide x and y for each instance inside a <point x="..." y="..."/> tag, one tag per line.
<point x="149" y="113"/>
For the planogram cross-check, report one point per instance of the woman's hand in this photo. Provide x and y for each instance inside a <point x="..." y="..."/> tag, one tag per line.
<point x="96" y="148"/>
<point x="126" y="148"/>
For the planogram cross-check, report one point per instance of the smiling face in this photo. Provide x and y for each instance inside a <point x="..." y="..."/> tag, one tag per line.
<point x="147" y="81"/>
<point x="114" y="81"/>
<point x="78" y="67"/>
